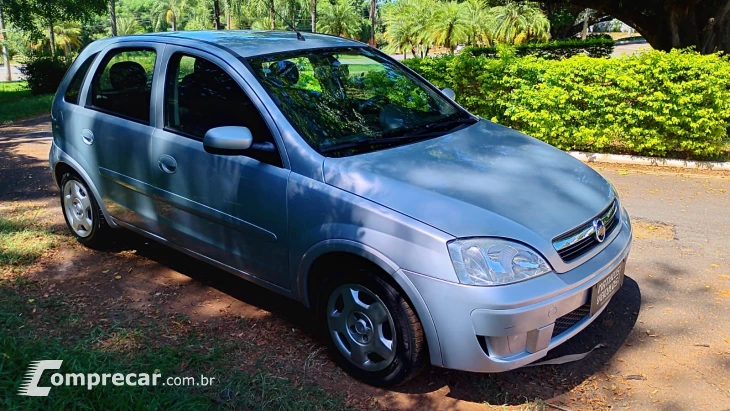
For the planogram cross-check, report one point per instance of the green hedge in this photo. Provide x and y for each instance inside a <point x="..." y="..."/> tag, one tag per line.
<point x="594" y="46"/>
<point x="44" y="74"/>
<point x="658" y="104"/>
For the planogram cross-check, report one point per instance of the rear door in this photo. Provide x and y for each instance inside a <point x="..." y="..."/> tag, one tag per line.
<point x="231" y="208"/>
<point x="114" y="122"/>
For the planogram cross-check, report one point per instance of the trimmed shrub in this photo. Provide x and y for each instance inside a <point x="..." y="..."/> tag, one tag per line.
<point x="44" y="74"/>
<point x="658" y="104"/>
<point x="595" y="46"/>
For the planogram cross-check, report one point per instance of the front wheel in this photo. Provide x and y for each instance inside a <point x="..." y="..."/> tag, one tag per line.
<point x="374" y="333"/>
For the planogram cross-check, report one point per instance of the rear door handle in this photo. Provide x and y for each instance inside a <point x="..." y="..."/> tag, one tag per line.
<point x="167" y="164"/>
<point x="87" y="136"/>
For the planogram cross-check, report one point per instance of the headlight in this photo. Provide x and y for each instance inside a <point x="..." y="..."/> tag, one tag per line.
<point x="488" y="261"/>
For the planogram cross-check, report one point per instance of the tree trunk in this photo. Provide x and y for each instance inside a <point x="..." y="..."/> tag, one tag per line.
<point x="314" y="16"/>
<point x="272" y="15"/>
<point x="216" y="15"/>
<point x="703" y="24"/>
<point x="6" y="55"/>
<point x="113" y="16"/>
<point x="52" y="38"/>
<point x="173" y="21"/>
<point x="586" y="17"/>
<point x="372" y="22"/>
<point x="229" y="25"/>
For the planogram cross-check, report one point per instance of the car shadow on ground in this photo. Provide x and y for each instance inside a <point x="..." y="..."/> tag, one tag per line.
<point x="227" y="283"/>
<point x="611" y="329"/>
<point x="515" y="387"/>
<point x="25" y="176"/>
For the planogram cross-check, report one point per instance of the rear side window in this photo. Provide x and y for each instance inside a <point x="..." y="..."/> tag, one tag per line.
<point x="123" y="84"/>
<point x="74" y="87"/>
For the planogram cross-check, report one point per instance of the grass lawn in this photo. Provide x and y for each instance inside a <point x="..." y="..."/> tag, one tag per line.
<point x="37" y="326"/>
<point x="16" y="102"/>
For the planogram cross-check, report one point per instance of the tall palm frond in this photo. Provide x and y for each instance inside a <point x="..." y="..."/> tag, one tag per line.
<point x="480" y="23"/>
<point x="127" y="25"/>
<point x="516" y="23"/>
<point x="341" y="19"/>
<point x="67" y="36"/>
<point x="450" y="25"/>
<point x="168" y="11"/>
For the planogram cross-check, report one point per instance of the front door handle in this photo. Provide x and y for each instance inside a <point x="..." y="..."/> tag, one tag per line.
<point x="167" y="164"/>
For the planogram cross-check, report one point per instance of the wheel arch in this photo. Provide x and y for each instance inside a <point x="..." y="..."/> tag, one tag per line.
<point x="67" y="165"/>
<point x="312" y="272"/>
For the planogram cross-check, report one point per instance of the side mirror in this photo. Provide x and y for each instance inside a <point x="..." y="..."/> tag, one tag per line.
<point x="227" y="140"/>
<point x="449" y="93"/>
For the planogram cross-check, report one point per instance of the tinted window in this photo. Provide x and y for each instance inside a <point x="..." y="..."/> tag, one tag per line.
<point x="123" y="84"/>
<point x="199" y="96"/>
<point x="74" y="87"/>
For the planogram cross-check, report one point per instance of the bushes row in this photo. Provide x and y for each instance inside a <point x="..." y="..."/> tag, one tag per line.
<point x="658" y="104"/>
<point x="594" y="46"/>
<point x="44" y="74"/>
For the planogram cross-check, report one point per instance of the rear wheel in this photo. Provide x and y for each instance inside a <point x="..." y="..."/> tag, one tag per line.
<point x="373" y="332"/>
<point x="82" y="213"/>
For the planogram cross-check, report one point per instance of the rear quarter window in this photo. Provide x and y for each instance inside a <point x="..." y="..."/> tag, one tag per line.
<point x="74" y="87"/>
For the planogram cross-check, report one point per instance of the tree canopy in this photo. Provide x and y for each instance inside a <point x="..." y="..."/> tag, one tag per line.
<point x="667" y="24"/>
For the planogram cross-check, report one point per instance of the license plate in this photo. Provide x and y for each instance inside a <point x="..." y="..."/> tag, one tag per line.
<point x="606" y="288"/>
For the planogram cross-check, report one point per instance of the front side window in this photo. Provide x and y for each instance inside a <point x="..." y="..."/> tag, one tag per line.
<point x="349" y="101"/>
<point x="123" y="84"/>
<point x="74" y="87"/>
<point x="199" y="96"/>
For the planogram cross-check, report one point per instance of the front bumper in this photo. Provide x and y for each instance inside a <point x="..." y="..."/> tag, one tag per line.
<point x="495" y="329"/>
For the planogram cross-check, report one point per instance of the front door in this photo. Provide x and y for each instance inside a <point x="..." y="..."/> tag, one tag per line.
<point x="231" y="208"/>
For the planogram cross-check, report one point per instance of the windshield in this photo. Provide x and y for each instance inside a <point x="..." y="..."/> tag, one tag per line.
<point x="349" y="101"/>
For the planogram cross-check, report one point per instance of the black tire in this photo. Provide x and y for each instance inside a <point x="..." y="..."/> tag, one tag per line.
<point x="411" y="353"/>
<point x="95" y="235"/>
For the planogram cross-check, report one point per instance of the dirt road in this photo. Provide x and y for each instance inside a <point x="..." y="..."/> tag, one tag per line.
<point x="667" y="332"/>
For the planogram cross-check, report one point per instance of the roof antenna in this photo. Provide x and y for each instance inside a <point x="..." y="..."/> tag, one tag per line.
<point x="288" y="23"/>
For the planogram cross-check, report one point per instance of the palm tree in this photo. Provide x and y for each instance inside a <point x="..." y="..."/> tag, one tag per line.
<point x="127" y="25"/>
<point x="402" y="26"/>
<point x="66" y="36"/>
<point x="169" y="11"/>
<point x="341" y="19"/>
<point x="450" y="25"/>
<point x="479" y="22"/>
<point x="516" y="23"/>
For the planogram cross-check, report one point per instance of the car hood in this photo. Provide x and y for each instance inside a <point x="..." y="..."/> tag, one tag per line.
<point x="483" y="180"/>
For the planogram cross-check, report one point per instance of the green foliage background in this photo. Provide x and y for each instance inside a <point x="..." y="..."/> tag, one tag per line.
<point x="593" y="46"/>
<point x="673" y="104"/>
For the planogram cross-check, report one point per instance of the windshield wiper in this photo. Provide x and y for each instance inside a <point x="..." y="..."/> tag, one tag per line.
<point x="444" y="124"/>
<point x="414" y="135"/>
<point x="366" y="142"/>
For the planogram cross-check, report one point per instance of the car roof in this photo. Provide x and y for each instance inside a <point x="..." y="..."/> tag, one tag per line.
<point x="248" y="43"/>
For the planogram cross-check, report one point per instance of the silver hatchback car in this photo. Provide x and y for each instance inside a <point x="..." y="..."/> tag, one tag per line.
<point x="326" y="171"/>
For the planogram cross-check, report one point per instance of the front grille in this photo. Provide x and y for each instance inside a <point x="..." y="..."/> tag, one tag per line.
<point x="582" y="239"/>
<point x="567" y="321"/>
